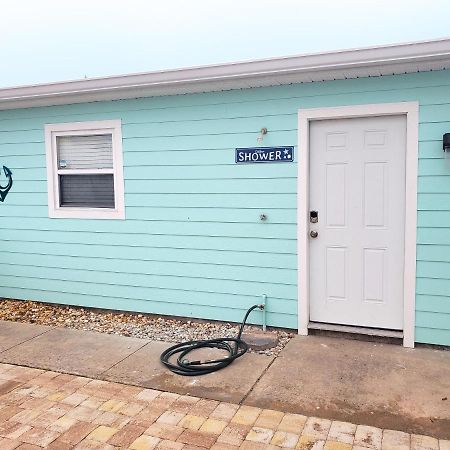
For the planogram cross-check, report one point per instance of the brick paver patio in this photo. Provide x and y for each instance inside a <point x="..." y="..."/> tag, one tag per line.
<point x="45" y="409"/>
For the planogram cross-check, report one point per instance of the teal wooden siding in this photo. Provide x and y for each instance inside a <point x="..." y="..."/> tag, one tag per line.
<point x="192" y="243"/>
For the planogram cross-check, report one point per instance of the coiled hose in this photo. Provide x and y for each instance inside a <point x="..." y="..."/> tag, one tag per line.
<point x="235" y="347"/>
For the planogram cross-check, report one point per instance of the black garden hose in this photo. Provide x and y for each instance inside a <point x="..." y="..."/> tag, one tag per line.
<point x="235" y="347"/>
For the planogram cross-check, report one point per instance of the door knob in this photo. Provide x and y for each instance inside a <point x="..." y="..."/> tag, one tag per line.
<point x="313" y="234"/>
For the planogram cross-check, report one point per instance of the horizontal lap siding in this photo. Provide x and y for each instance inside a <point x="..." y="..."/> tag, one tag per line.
<point x="192" y="243"/>
<point x="433" y="233"/>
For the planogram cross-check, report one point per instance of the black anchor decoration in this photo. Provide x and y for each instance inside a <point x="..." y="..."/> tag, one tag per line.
<point x="4" y="190"/>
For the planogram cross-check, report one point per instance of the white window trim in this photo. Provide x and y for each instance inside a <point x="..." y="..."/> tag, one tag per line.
<point x="305" y="116"/>
<point x="85" y="128"/>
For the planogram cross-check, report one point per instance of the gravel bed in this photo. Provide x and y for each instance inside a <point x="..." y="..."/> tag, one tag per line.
<point x="143" y="326"/>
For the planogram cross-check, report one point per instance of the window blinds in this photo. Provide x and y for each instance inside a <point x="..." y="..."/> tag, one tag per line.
<point x="89" y="191"/>
<point x="85" y="152"/>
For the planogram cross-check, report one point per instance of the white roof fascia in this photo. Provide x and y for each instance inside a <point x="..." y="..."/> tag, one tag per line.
<point x="373" y="61"/>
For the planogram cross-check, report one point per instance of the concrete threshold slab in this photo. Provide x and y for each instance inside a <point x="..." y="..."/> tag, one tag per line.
<point x="70" y="351"/>
<point x="383" y="385"/>
<point x="230" y="384"/>
<point x="14" y="333"/>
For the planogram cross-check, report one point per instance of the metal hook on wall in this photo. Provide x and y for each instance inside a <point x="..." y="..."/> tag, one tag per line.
<point x="262" y="133"/>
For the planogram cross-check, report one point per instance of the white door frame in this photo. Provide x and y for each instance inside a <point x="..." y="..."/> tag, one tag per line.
<point x="305" y="116"/>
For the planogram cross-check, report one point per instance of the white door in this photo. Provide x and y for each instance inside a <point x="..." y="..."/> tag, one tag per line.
<point x="357" y="187"/>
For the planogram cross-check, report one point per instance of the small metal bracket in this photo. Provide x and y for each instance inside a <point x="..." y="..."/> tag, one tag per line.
<point x="262" y="133"/>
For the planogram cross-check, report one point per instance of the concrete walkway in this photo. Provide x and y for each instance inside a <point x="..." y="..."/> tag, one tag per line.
<point x="382" y="385"/>
<point x="121" y="359"/>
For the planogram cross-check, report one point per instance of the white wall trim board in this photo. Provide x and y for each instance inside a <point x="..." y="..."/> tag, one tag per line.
<point x="85" y="128"/>
<point x="305" y="116"/>
<point x="354" y="63"/>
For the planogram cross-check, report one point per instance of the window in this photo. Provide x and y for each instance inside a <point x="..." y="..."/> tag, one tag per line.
<point x="85" y="170"/>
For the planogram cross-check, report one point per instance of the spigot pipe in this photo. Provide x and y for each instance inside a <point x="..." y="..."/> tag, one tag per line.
<point x="264" y="319"/>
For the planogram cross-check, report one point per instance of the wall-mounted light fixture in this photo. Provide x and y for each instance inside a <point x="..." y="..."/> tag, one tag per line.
<point x="446" y="142"/>
<point x="446" y="145"/>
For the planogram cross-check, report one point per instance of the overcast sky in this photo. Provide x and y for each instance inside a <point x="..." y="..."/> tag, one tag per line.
<point x="54" y="40"/>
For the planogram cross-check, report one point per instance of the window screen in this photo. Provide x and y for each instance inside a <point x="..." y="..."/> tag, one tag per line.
<point x="93" y="191"/>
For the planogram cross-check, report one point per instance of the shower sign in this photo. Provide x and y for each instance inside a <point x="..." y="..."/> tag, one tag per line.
<point x="264" y="155"/>
<point x="5" y="189"/>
